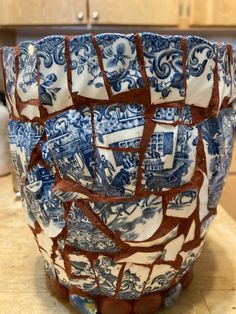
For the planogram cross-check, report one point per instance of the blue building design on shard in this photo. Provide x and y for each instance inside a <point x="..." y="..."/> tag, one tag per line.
<point x="170" y="157"/>
<point x="70" y="143"/>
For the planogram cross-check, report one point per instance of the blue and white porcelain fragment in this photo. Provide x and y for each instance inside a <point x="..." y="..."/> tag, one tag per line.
<point x="121" y="145"/>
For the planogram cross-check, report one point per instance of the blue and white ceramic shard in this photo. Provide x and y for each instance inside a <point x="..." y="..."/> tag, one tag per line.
<point x="121" y="144"/>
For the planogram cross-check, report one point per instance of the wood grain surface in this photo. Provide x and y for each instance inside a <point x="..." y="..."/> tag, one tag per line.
<point x="23" y="286"/>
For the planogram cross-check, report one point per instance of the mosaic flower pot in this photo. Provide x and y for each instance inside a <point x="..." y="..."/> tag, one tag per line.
<point x="121" y="144"/>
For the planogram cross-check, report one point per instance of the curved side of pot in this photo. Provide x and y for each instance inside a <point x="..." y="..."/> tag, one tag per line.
<point x="121" y="144"/>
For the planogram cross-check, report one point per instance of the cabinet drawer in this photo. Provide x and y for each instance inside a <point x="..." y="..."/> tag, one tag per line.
<point x="134" y="12"/>
<point x="212" y="13"/>
<point x="43" y="12"/>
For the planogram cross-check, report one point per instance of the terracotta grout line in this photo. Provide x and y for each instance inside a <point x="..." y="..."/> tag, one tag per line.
<point x="184" y="62"/>
<point x="119" y="280"/>
<point x="124" y="149"/>
<point x="145" y="283"/>
<point x="72" y="186"/>
<point x="92" y="261"/>
<point x="100" y="62"/>
<point x="16" y="57"/>
<point x="95" y="151"/>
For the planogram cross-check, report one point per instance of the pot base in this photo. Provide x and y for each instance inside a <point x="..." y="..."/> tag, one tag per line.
<point x="148" y="304"/>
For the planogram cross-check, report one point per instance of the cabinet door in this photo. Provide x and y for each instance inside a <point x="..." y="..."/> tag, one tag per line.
<point x="43" y="12"/>
<point x="134" y="12"/>
<point x="212" y="12"/>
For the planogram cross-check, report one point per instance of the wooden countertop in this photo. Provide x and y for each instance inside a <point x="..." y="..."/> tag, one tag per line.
<point x="23" y="288"/>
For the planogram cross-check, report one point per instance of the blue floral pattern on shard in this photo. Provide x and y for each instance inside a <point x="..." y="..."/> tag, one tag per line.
<point x="173" y="115"/>
<point x="217" y="137"/>
<point x="24" y="136"/>
<point x="8" y="57"/>
<point x="201" y="62"/>
<point x="170" y="157"/>
<point x="87" y="78"/>
<point x="133" y="281"/>
<point x="27" y="85"/>
<point x="119" y="57"/>
<point x="116" y="172"/>
<point x="83" y="235"/>
<point x="225" y="80"/>
<point x="45" y="206"/>
<point x="107" y="272"/>
<point x="134" y="219"/>
<point x="70" y="142"/>
<point x="160" y="278"/>
<point x="54" y="92"/>
<point x="163" y="57"/>
<point x="112" y="122"/>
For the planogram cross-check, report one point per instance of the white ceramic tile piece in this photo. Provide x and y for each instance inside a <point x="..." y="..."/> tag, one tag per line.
<point x="24" y="136"/>
<point x="162" y="240"/>
<point x="233" y="76"/>
<point x="46" y="207"/>
<point x="86" y="284"/>
<point x="70" y="142"/>
<point x="170" y="157"/>
<point x="45" y="242"/>
<point x="119" y="57"/>
<point x="164" y="67"/>
<point x="62" y="276"/>
<point x="191" y="234"/>
<point x="27" y="84"/>
<point x="69" y="196"/>
<point x="87" y="79"/>
<point x="173" y="248"/>
<point x="30" y="111"/>
<point x="54" y="92"/>
<point x="164" y="139"/>
<point x="116" y="172"/>
<point x="188" y="258"/>
<point x="201" y="56"/>
<point x="81" y="266"/>
<point x="160" y="278"/>
<point x="203" y="198"/>
<point x="134" y="278"/>
<point x="172" y="115"/>
<point x="183" y="204"/>
<point x="225" y="80"/>
<point x="48" y="264"/>
<point x="205" y="225"/>
<point x="83" y="235"/>
<point x="119" y="125"/>
<point x="107" y="272"/>
<point x="133" y="220"/>
<point x="141" y="258"/>
<point x="10" y="78"/>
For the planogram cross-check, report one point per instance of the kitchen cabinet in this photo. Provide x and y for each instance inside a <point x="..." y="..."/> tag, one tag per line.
<point x="43" y="12"/>
<point x="212" y="13"/>
<point x="135" y="12"/>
